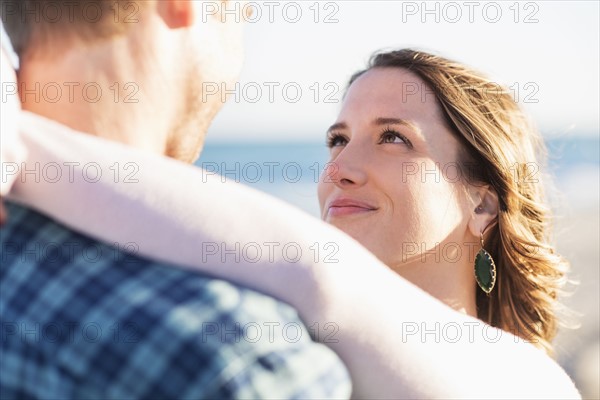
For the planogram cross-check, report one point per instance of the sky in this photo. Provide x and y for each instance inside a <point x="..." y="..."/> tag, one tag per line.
<point x="299" y="56"/>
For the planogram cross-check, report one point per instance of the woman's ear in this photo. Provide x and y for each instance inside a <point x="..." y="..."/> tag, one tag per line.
<point x="485" y="211"/>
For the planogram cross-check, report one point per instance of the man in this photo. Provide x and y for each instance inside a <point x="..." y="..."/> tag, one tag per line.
<point x="84" y="319"/>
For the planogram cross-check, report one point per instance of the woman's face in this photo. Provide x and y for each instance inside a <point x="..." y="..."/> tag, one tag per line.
<point x="393" y="182"/>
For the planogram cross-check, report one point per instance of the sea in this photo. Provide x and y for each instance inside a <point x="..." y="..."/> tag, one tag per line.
<point x="290" y="170"/>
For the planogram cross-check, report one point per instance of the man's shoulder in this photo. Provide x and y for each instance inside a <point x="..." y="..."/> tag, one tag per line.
<point x="91" y="311"/>
<point x="40" y="245"/>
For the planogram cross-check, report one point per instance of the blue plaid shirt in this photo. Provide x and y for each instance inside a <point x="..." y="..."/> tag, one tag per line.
<point x="82" y="319"/>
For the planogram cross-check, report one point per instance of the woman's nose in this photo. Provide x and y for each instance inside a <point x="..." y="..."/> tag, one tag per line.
<point x="348" y="169"/>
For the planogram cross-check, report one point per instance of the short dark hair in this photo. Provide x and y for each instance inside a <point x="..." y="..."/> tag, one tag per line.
<point x="30" y="21"/>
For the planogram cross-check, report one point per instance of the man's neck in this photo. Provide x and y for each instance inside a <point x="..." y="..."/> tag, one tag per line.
<point x="99" y="90"/>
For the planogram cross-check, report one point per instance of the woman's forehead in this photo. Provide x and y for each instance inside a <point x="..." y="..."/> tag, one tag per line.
<point x="392" y="92"/>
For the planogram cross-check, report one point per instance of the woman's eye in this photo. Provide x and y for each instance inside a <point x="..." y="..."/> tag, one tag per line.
<point x="390" y="136"/>
<point x="336" y="140"/>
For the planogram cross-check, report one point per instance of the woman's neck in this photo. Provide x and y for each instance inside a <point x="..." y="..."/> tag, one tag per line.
<point x="452" y="283"/>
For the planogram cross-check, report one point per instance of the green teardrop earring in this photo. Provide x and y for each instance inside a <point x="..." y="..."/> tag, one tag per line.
<point x="485" y="269"/>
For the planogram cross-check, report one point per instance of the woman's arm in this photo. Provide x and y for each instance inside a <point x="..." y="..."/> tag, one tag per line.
<point x="12" y="151"/>
<point x="396" y="340"/>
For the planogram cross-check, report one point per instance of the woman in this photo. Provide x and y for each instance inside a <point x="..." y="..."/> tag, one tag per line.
<point x="431" y="158"/>
<point x="371" y="307"/>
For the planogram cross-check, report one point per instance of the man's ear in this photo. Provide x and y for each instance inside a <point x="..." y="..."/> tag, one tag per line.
<point x="177" y="13"/>
<point x="485" y="211"/>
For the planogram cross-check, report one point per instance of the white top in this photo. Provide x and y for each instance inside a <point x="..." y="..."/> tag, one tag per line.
<point x="7" y="48"/>
<point x="12" y="152"/>
<point x="396" y="340"/>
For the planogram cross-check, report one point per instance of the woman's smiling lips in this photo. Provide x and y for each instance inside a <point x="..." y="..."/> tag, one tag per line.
<point x="346" y="206"/>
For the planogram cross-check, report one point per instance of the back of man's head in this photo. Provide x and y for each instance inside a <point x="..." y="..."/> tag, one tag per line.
<point x="157" y="58"/>
<point x="33" y="22"/>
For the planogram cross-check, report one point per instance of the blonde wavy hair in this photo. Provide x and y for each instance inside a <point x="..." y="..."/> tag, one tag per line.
<point x="500" y="147"/>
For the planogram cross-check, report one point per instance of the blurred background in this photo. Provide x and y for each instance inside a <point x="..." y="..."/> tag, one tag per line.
<point x="300" y="55"/>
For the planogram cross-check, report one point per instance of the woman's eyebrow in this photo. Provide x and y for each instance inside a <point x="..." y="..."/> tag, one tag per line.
<point x="379" y="122"/>
<point x="336" y="126"/>
<point x="397" y="121"/>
